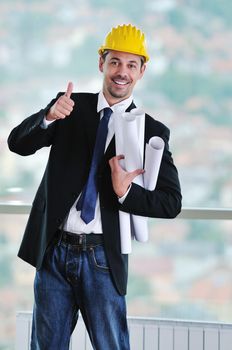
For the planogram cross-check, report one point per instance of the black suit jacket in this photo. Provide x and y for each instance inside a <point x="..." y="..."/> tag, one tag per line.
<point x="72" y="142"/>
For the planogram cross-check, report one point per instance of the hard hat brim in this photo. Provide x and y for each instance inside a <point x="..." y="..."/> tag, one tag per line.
<point x="102" y="49"/>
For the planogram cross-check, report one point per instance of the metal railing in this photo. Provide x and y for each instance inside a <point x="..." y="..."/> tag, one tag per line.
<point x="186" y="213"/>
<point x="146" y="334"/>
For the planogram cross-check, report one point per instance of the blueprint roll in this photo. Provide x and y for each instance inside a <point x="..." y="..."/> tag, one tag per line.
<point x="133" y="133"/>
<point x="129" y="138"/>
<point x="153" y="156"/>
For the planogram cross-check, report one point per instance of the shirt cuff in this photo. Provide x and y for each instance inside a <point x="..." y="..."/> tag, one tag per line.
<point x="121" y="199"/>
<point x="45" y="123"/>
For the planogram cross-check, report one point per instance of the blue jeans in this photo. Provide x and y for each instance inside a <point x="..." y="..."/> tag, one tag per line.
<point x="71" y="280"/>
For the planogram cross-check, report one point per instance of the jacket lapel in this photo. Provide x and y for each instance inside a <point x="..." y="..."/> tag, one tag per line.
<point x="92" y="119"/>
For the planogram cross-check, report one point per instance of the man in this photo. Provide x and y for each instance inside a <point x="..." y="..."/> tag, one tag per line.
<point x="72" y="235"/>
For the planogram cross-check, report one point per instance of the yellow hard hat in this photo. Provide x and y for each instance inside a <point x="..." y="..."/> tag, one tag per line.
<point x="126" y="38"/>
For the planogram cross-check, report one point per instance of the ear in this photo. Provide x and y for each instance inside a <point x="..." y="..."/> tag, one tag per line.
<point x="101" y="63"/>
<point x="142" y="70"/>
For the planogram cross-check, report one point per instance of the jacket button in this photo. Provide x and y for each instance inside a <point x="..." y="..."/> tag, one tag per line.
<point x="59" y="221"/>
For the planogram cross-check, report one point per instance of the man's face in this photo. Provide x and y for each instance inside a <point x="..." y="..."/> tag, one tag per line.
<point x="121" y="71"/>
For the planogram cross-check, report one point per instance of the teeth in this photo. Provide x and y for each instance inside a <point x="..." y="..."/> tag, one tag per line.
<point x="120" y="82"/>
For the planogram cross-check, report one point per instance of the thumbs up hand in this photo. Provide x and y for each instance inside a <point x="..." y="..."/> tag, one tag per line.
<point x="69" y="89"/>
<point x="63" y="106"/>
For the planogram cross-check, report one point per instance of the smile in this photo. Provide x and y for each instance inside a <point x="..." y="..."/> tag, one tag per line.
<point x="119" y="82"/>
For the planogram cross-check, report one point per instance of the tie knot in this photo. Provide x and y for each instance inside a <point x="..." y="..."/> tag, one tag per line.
<point x="107" y="112"/>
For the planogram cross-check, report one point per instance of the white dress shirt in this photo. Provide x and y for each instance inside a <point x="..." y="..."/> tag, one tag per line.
<point x="73" y="222"/>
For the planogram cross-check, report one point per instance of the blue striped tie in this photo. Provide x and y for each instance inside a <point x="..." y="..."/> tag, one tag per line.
<point x="88" y="198"/>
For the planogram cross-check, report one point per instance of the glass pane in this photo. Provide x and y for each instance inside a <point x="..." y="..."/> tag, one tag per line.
<point x="187" y="85"/>
<point x="16" y="278"/>
<point x="183" y="272"/>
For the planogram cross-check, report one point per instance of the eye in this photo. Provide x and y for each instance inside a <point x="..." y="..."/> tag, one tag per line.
<point x="132" y="66"/>
<point x="114" y="63"/>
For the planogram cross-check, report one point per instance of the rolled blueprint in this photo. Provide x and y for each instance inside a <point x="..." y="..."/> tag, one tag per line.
<point x="153" y="155"/>
<point x="133" y="134"/>
<point x="129" y="138"/>
<point x="124" y="218"/>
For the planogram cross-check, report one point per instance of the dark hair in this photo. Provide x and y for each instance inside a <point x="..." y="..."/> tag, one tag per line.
<point x="105" y="53"/>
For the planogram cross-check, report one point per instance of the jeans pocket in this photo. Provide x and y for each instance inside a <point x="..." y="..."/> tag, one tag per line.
<point x="99" y="259"/>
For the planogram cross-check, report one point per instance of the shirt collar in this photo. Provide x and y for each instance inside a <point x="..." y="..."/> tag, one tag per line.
<point x="122" y="105"/>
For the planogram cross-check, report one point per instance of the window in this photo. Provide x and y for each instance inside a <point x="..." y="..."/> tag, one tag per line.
<point x="187" y="86"/>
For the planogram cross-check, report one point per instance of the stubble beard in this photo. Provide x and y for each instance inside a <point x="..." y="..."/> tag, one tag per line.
<point x="118" y="94"/>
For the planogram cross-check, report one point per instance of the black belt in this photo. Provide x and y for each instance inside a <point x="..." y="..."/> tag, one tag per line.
<point x="82" y="240"/>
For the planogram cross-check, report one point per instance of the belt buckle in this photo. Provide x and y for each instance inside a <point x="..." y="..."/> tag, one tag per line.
<point x="82" y="241"/>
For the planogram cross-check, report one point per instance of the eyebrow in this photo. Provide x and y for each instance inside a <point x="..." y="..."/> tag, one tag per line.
<point x="118" y="59"/>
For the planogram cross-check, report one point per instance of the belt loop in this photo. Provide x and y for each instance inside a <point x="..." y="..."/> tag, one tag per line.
<point x="83" y="241"/>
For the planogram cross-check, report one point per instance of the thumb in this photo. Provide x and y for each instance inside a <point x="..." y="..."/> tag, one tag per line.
<point x="69" y="89"/>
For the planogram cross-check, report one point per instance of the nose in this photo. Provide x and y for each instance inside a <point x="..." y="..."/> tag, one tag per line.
<point x="122" y="71"/>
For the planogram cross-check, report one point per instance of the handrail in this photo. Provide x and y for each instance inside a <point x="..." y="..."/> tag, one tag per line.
<point x="12" y="208"/>
<point x="206" y="213"/>
<point x="194" y="213"/>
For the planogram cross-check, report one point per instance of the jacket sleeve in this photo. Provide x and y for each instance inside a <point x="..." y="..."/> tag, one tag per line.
<point x="28" y="137"/>
<point x="165" y="200"/>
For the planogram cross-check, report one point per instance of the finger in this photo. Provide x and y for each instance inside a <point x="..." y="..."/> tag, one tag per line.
<point x="135" y="173"/>
<point x="68" y="101"/>
<point x="59" y="115"/>
<point x="111" y="164"/>
<point x="69" y="89"/>
<point x="120" y="156"/>
<point x="64" y="107"/>
<point x="116" y="159"/>
<point x="64" y="111"/>
<point x="138" y="171"/>
<point x="65" y="102"/>
<point x="114" y="162"/>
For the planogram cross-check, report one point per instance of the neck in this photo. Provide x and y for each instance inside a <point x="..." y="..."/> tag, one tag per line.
<point x="113" y="100"/>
